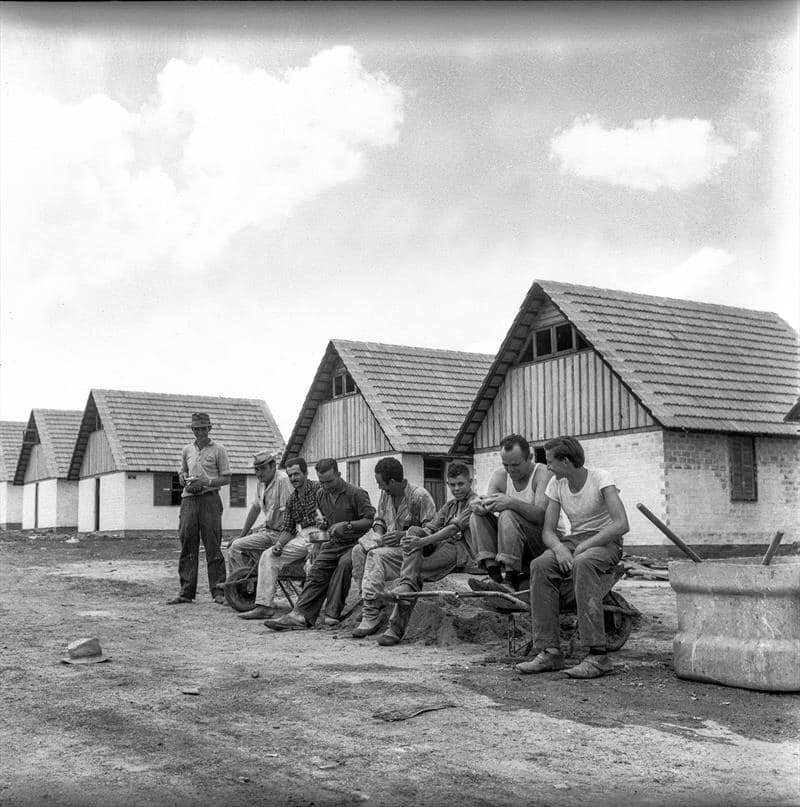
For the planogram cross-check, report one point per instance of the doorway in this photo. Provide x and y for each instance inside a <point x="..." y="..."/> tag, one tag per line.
<point x="97" y="504"/>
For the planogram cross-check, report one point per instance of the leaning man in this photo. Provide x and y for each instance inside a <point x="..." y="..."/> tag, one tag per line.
<point x="204" y="470"/>
<point x="272" y="495"/>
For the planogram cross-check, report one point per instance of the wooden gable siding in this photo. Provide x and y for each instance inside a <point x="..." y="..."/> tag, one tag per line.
<point x="548" y="315"/>
<point x="574" y="394"/>
<point x="344" y="427"/>
<point x="97" y="458"/>
<point x="37" y="465"/>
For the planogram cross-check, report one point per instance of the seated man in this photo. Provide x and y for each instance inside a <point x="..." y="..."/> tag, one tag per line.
<point x="293" y="540"/>
<point x="432" y="552"/>
<point x="509" y="517"/>
<point x="594" y="547"/>
<point x="272" y="494"/>
<point x="347" y="514"/>
<point x="401" y="507"/>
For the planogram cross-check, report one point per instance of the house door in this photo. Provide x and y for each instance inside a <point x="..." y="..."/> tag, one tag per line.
<point x="97" y="504"/>
<point x="36" y="506"/>
<point x="433" y="480"/>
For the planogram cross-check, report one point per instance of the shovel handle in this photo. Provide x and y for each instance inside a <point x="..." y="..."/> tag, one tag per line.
<point x="772" y="549"/>
<point x="670" y="534"/>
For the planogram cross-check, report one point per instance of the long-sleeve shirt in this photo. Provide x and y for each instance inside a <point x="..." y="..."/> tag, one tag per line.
<point x="415" y="509"/>
<point x="458" y="513"/>
<point x="301" y="510"/>
<point x="346" y="503"/>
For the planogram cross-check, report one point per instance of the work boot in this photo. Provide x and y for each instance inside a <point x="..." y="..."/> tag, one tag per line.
<point x="371" y="619"/>
<point x="591" y="667"/>
<point x="546" y="661"/>
<point x="259" y="612"/>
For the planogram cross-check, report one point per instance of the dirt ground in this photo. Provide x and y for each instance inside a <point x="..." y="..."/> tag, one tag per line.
<point x="288" y="718"/>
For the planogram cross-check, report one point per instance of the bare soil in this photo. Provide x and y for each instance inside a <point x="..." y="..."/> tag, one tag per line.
<point x="288" y="718"/>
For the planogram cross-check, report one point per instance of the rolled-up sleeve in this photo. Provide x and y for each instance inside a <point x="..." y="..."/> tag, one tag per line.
<point x="380" y="515"/>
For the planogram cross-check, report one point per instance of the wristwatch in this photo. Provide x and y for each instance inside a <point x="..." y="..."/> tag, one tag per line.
<point x="348" y="527"/>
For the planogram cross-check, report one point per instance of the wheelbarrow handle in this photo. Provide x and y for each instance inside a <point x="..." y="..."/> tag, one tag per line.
<point x="670" y="534"/>
<point x="772" y="549"/>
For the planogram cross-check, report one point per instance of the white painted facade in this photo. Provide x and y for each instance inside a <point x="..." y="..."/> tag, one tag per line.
<point x="10" y="506"/>
<point x="126" y="504"/>
<point x="57" y="505"/>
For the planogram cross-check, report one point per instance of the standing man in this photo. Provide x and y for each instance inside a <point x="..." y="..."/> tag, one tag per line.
<point x="292" y="543"/>
<point x="204" y="470"/>
<point x="402" y="506"/>
<point x="432" y="552"/>
<point x="272" y="495"/>
<point x="348" y="514"/>
<point x="510" y="516"/>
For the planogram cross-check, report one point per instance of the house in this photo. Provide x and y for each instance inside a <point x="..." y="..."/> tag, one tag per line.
<point x="49" y="499"/>
<point x="684" y="402"/>
<point x="369" y="401"/>
<point x="127" y="452"/>
<point x="10" y="494"/>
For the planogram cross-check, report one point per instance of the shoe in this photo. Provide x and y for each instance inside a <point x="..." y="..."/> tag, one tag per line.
<point x="259" y="612"/>
<point x="368" y="627"/>
<point x="219" y="599"/>
<point x="178" y="600"/>
<point x="388" y="639"/>
<point x="331" y="622"/>
<point x="479" y="584"/>
<point x="543" y="662"/>
<point x="287" y="622"/>
<point x="591" y="667"/>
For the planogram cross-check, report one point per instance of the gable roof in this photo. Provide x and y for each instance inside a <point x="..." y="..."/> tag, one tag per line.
<point x="695" y="366"/>
<point x="11" y="432"/>
<point x="56" y="430"/>
<point x="418" y="395"/>
<point x="146" y="431"/>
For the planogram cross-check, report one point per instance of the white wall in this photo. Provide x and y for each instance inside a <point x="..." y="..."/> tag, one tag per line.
<point x="112" y="503"/>
<point x="66" y="503"/>
<point x="58" y="504"/>
<point x="10" y="505"/>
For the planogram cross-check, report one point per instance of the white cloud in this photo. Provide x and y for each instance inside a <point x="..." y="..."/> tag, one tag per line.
<point x="673" y="153"/>
<point x="91" y="191"/>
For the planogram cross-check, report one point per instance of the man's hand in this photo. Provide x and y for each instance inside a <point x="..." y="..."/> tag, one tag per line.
<point x="477" y="507"/>
<point x="411" y="542"/>
<point x="496" y="502"/>
<point x="416" y="531"/>
<point x="337" y="530"/>
<point x="580" y="548"/>
<point x="392" y="538"/>
<point x="277" y="549"/>
<point x="564" y="558"/>
<point x="194" y="487"/>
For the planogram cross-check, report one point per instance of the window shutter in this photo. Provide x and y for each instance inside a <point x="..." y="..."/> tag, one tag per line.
<point x="238" y="490"/>
<point x="742" y="451"/>
<point x="162" y="490"/>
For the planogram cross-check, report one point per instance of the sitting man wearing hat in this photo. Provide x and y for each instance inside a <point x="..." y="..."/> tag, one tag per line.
<point x="204" y="470"/>
<point x="272" y="496"/>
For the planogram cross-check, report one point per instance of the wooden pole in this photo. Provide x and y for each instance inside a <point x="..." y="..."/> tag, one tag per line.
<point x="670" y="534"/>
<point x="772" y="549"/>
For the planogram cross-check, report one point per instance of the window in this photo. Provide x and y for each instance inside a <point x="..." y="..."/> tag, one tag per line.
<point x="343" y="384"/>
<point x="742" y="453"/>
<point x="238" y="492"/>
<point x="548" y="342"/>
<point x="354" y="472"/>
<point x="166" y="490"/>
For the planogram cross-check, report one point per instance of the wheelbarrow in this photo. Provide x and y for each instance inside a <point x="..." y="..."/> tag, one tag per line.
<point x="619" y="614"/>
<point x="240" y="588"/>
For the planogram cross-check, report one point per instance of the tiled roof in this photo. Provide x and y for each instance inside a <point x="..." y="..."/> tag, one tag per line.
<point x="692" y="365"/>
<point x="56" y="430"/>
<point x="147" y="430"/>
<point x="10" y="445"/>
<point x="418" y="395"/>
<point x="794" y="412"/>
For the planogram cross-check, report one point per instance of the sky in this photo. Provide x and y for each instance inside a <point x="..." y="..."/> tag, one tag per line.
<point x="195" y="198"/>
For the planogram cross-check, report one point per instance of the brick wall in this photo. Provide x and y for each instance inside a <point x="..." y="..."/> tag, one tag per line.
<point x="10" y="506"/>
<point x="699" y="505"/>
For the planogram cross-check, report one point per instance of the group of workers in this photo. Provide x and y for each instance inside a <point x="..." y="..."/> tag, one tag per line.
<point x="556" y="521"/>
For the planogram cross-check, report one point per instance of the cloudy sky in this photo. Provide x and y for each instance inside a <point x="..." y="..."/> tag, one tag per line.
<point x="196" y="198"/>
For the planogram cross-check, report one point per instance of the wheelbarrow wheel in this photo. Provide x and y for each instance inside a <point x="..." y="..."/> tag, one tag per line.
<point x="240" y="589"/>
<point x="618" y="623"/>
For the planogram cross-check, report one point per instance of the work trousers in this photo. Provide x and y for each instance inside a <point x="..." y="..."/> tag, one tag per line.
<point x="318" y="583"/>
<point x="415" y="570"/>
<point x="588" y="570"/>
<point x="244" y="552"/>
<point x="504" y="538"/>
<point x="200" y="520"/>
<point x="269" y="567"/>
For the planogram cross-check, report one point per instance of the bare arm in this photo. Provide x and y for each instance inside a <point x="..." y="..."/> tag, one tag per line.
<point x="252" y="515"/>
<point x="530" y="512"/>
<point x="497" y="484"/>
<point x="550" y="535"/>
<point x="619" y="522"/>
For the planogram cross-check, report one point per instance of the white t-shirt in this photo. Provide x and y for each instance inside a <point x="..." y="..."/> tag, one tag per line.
<point x="586" y="509"/>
